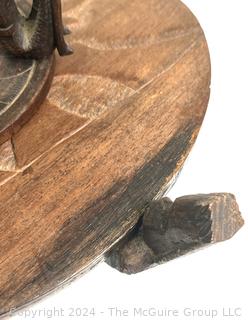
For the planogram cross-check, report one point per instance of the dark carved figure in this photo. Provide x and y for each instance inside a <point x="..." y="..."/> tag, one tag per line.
<point x="35" y="36"/>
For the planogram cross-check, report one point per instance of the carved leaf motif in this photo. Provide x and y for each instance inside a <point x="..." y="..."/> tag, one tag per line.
<point x="11" y="81"/>
<point x="22" y="82"/>
<point x="24" y="6"/>
<point x="92" y="95"/>
<point x="161" y="19"/>
<point x="7" y="157"/>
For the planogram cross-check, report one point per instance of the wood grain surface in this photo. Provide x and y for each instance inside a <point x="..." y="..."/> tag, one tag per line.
<point x="23" y="85"/>
<point x="120" y="119"/>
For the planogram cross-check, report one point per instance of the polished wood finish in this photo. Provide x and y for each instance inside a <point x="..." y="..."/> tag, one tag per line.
<point x="120" y="119"/>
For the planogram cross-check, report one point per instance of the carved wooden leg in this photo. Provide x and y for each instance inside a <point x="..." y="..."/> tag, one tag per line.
<point x="59" y="29"/>
<point x="169" y="230"/>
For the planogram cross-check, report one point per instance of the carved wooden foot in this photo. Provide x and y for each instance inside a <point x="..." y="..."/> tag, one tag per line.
<point x="169" y="230"/>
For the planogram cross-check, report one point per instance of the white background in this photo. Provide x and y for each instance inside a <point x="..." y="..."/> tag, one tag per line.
<point x="216" y="277"/>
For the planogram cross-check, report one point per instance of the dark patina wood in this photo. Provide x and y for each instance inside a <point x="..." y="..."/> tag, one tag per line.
<point x="23" y="85"/>
<point x="170" y="230"/>
<point x="120" y="119"/>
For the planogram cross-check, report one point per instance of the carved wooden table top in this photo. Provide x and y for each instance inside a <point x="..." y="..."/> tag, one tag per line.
<point x="118" y="123"/>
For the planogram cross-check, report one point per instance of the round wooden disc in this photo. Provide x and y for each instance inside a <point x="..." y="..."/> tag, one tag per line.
<point x="23" y="85"/>
<point x="120" y="119"/>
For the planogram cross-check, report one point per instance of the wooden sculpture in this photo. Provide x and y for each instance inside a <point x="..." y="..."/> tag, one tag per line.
<point x="25" y="83"/>
<point x="121" y="117"/>
<point x="34" y="36"/>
